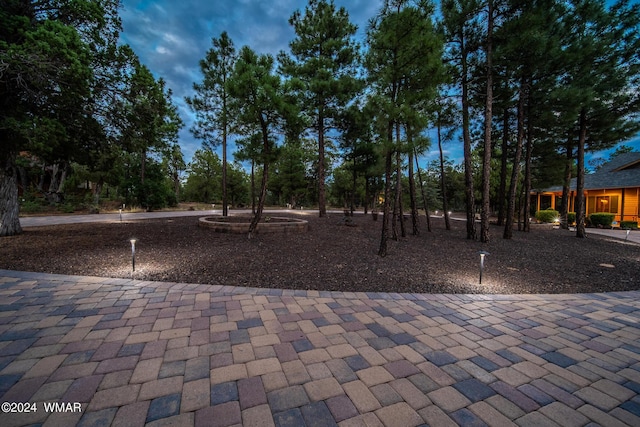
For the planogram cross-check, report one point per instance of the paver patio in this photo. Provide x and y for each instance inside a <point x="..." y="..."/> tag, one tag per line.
<point x="149" y="353"/>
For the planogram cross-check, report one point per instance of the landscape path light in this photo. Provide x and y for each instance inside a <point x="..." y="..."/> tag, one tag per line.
<point x="628" y="231"/>
<point x="120" y="214"/>
<point x="133" y="254"/>
<point x="482" y="255"/>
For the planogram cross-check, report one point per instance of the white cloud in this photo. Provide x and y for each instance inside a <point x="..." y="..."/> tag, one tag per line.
<point x="171" y="37"/>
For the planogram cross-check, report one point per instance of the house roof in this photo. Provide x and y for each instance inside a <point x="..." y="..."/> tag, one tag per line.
<point x="623" y="171"/>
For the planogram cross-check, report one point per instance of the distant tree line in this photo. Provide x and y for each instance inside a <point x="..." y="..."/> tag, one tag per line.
<point x="527" y="87"/>
<point x="78" y="107"/>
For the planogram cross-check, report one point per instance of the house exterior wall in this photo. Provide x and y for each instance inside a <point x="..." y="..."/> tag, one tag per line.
<point x="613" y="188"/>
<point x="623" y="203"/>
<point x="631" y="207"/>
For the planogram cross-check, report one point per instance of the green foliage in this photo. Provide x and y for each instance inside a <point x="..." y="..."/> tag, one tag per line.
<point x="204" y="178"/>
<point x="629" y="225"/>
<point x="68" y="208"/>
<point x="237" y="185"/>
<point x="404" y="62"/>
<point x="173" y="164"/>
<point x="154" y="192"/>
<point x="33" y="206"/>
<point x="150" y="119"/>
<point x="601" y="219"/>
<point x="211" y="103"/>
<point x="203" y="182"/>
<point x="454" y="178"/>
<point x="547" y="215"/>
<point x="70" y="93"/>
<point x="341" y="186"/>
<point x="291" y="176"/>
<point x="571" y="218"/>
<point x="323" y="72"/>
<point x="46" y="83"/>
<point x="33" y="202"/>
<point x="259" y="98"/>
<point x="548" y="167"/>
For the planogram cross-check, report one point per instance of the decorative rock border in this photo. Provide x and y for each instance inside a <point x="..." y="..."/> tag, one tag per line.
<point x="273" y="225"/>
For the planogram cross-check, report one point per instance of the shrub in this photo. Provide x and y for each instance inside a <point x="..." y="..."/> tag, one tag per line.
<point x="601" y="219"/>
<point x="32" y="203"/>
<point x="547" y="215"/>
<point x="31" y="206"/>
<point x="67" y="208"/>
<point x="629" y="225"/>
<point x="571" y="218"/>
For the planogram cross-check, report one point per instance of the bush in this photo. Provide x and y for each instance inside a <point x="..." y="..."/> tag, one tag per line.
<point x="604" y="220"/>
<point x="67" y="208"/>
<point x="571" y="218"/>
<point x="547" y="215"/>
<point x="629" y="225"/>
<point x="32" y="203"/>
<point x="31" y="206"/>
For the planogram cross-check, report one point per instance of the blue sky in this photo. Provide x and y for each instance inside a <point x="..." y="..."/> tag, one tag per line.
<point x="172" y="36"/>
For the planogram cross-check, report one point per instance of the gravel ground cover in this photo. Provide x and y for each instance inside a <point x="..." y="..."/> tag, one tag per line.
<point x="332" y="255"/>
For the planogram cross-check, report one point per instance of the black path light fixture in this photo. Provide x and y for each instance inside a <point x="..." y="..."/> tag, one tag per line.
<point x="482" y="255"/>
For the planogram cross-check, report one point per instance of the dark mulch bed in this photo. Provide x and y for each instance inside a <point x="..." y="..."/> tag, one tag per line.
<point x="331" y="256"/>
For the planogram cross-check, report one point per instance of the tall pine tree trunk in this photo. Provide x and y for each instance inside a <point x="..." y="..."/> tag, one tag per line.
<point x="322" y="204"/>
<point x="443" y="184"/>
<point x="225" y="201"/>
<point x="526" y="205"/>
<point x="425" y="202"/>
<point x="253" y="186"/>
<point x="580" y="202"/>
<point x="466" y="137"/>
<point x="143" y="165"/>
<point x="515" y="172"/>
<point x="352" y="208"/>
<point x="9" y="207"/>
<point x="399" y="212"/>
<point x="56" y="185"/>
<point x="566" y="185"/>
<point x="415" y="219"/>
<point x="366" y="195"/>
<point x="388" y="162"/>
<point x="266" y="155"/>
<point x="502" y="192"/>
<point x="97" y="190"/>
<point x="488" y="117"/>
<point x="394" y="216"/>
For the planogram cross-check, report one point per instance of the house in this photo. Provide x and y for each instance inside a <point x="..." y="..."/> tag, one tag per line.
<point x="614" y="188"/>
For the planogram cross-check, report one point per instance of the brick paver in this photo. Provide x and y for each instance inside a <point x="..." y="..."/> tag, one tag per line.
<point x="150" y="353"/>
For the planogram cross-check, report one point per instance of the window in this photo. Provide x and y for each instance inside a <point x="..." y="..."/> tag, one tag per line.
<point x="545" y="201"/>
<point x="602" y="204"/>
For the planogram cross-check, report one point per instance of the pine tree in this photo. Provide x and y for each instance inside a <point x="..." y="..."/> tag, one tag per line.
<point x="461" y="27"/>
<point x="323" y="61"/>
<point x="527" y="46"/>
<point x="600" y="80"/>
<point x="211" y="102"/>
<point x="258" y="97"/>
<point x="50" y="91"/>
<point x="405" y="68"/>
